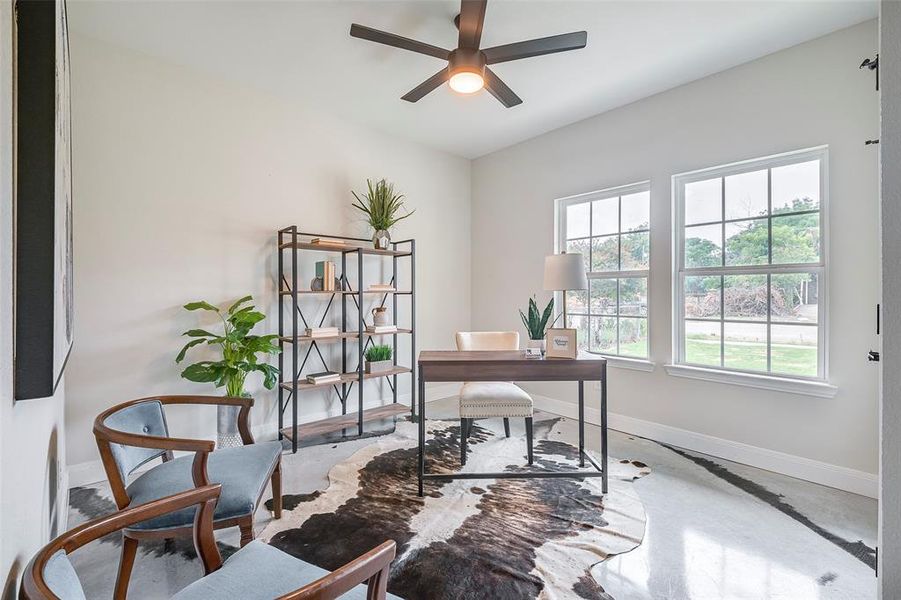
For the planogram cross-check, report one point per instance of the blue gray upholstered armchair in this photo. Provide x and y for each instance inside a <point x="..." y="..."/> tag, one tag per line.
<point x="257" y="571"/>
<point x="132" y="434"/>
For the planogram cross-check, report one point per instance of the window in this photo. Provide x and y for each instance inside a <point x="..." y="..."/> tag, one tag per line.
<point x="611" y="229"/>
<point x="750" y="283"/>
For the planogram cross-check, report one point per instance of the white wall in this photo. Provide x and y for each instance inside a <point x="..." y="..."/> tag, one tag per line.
<point x="805" y="96"/>
<point x="182" y="181"/>
<point x="890" y="148"/>
<point x="32" y="483"/>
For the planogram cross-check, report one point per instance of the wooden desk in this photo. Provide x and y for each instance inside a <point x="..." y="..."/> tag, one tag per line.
<point x="514" y="366"/>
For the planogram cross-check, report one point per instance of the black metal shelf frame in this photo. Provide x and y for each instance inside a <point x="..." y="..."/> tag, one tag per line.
<point x="291" y="240"/>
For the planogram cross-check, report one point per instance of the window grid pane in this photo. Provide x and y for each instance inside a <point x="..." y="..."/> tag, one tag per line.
<point x="611" y="317"/>
<point x="764" y="320"/>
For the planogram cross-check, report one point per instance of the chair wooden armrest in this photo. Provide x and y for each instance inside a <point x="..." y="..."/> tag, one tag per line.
<point x="371" y="568"/>
<point x="35" y="588"/>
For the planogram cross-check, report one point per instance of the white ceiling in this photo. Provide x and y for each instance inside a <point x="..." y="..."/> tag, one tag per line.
<point x="302" y="50"/>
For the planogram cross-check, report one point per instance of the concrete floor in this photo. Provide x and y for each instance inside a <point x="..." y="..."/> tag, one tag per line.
<point x="715" y="529"/>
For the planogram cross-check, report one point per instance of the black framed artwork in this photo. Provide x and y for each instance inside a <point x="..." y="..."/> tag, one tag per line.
<point x="43" y="198"/>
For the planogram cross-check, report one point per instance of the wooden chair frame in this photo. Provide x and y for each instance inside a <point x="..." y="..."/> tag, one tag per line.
<point x="371" y="568"/>
<point x="201" y="448"/>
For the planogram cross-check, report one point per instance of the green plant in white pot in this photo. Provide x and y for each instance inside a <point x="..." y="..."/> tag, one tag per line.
<point x="239" y="350"/>
<point x="537" y="323"/>
<point x="382" y="207"/>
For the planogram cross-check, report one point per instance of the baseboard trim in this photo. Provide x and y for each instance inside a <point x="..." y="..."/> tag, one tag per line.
<point x="90" y="472"/>
<point x="842" y="478"/>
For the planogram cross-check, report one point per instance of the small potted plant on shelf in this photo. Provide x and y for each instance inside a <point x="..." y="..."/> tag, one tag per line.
<point x="537" y="323"/>
<point x="381" y="207"/>
<point x="378" y="359"/>
<point x="239" y="352"/>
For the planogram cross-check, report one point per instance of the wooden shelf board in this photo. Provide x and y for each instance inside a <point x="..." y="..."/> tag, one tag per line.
<point x="332" y="424"/>
<point x="345" y="249"/>
<point x="345" y="378"/>
<point x="341" y="336"/>
<point x="343" y="292"/>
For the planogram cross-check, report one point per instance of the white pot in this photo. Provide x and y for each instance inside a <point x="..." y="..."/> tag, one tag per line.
<point x="540" y="344"/>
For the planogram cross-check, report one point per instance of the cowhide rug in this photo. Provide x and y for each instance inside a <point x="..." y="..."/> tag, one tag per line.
<point x="472" y="539"/>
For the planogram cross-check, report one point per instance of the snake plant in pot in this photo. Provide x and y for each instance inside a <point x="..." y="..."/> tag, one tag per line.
<point x="381" y="207"/>
<point x="537" y="323"/>
<point x="239" y="351"/>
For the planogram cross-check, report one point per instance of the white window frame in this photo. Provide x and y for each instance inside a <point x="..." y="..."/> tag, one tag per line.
<point x="816" y="386"/>
<point x="561" y="204"/>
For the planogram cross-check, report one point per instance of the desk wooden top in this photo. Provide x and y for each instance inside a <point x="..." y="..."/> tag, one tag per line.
<point x="449" y="365"/>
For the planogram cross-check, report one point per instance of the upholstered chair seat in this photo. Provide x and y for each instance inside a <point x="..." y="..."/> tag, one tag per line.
<point x="243" y="472"/>
<point x="487" y="399"/>
<point x="260" y="571"/>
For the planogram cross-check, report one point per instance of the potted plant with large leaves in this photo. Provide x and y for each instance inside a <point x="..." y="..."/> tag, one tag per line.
<point x="537" y="323"/>
<point x="239" y="350"/>
<point x="381" y="207"/>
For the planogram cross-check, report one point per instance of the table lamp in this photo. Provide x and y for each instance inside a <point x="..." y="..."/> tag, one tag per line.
<point x="563" y="272"/>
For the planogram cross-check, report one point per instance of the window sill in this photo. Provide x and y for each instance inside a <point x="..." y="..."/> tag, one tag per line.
<point x="788" y="385"/>
<point x="621" y="362"/>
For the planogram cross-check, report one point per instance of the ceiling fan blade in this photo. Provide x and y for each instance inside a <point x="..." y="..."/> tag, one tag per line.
<point x="500" y="90"/>
<point x="537" y="47"/>
<point x="426" y="86"/>
<point x="472" y="17"/>
<point x="390" y="39"/>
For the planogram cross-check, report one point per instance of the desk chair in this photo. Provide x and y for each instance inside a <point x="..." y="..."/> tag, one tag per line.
<point x="491" y="399"/>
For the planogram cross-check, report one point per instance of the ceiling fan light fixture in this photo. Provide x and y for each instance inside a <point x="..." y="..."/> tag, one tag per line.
<point x="466" y="82"/>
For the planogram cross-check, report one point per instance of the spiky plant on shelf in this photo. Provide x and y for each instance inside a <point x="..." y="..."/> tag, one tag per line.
<point x="381" y="206"/>
<point x="239" y="348"/>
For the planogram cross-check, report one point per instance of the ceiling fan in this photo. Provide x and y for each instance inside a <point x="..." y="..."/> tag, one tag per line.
<point x="467" y="66"/>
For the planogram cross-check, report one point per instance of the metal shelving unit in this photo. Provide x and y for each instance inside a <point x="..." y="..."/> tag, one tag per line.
<point x="292" y="243"/>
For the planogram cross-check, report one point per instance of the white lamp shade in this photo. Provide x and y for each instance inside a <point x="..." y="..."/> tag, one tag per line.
<point x="565" y="272"/>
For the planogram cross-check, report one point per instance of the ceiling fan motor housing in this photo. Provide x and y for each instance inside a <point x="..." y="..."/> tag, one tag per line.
<point x="467" y="60"/>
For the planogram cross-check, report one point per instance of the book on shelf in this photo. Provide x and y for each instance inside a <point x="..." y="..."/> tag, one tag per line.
<point x="323" y="377"/>
<point x="381" y="328"/>
<point x="325" y="270"/>
<point x="381" y="287"/>
<point x="322" y="331"/>
<point x="327" y="242"/>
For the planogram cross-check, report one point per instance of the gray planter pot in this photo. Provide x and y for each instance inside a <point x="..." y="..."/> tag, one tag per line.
<point x="379" y="366"/>
<point x="227" y="427"/>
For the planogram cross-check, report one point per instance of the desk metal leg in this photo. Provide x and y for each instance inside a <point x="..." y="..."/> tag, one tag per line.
<point x="581" y="423"/>
<point x="421" y="431"/>
<point x="604" y="427"/>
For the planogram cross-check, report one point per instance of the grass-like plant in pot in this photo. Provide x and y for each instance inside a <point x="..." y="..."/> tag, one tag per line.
<point x="378" y="358"/>
<point x="382" y="207"/>
<point x="238" y="347"/>
<point x="537" y="322"/>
